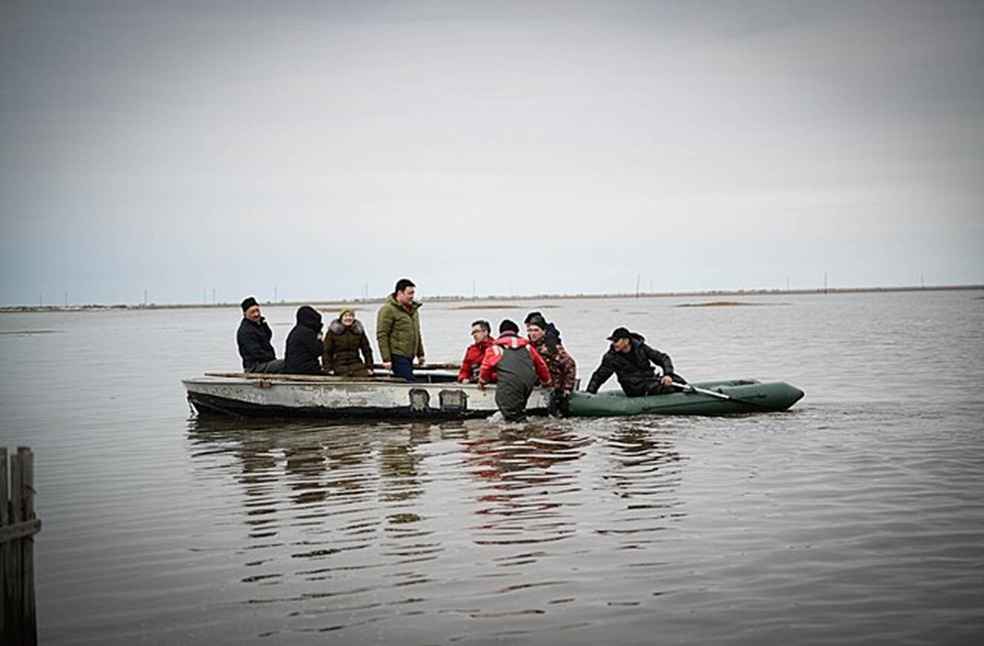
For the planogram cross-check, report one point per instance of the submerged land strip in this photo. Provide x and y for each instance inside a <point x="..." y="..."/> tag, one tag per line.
<point x="500" y="301"/>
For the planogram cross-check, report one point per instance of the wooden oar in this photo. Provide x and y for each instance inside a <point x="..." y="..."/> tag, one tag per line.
<point x="426" y="366"/>
<point x="704" y="391"/>
<point x="307" y="378"/>
<point x="711" y="393"/>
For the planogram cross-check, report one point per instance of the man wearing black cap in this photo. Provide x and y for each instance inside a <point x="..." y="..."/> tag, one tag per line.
<point x="630" y="359"/>
<point x="253" y="338"/>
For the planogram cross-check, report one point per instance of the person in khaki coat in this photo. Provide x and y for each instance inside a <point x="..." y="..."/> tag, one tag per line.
<point x="344" y="340"/>
<point x="398" y="330"/>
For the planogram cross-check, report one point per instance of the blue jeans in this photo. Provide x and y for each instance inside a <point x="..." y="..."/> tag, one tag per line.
<point x="402" y="367"/>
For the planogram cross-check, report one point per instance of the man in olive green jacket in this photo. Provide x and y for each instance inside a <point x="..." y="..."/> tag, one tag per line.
<point x="398" y="330"/>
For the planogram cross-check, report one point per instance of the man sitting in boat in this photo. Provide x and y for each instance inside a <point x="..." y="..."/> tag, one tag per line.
<point x="253" y="339"/>
<point x="481" y="333"/>
<point x="630" y="359"/>
<point x="515" y="366"/>
<point x="344" y="340"/>
<point x="563" y="369"/>
<point x="304" y="345"/>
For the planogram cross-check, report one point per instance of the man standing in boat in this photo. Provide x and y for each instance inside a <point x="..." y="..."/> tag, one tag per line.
<point x="253" y="339"/>
<point x="630" y="359"/>
<point x="481" y="333"/>
<point x="398" y="330"/>
<point x="515" y="365"/>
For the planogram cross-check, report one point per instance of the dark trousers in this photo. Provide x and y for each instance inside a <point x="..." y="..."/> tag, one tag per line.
<point x="355" y="369"/>
<point x="268" y="367"/>
<point x="511" y="397"/>
<point x="655" y="388"/>
<point x="402" y="367"/>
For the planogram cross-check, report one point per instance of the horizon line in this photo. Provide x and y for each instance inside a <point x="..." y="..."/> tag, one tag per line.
<point x="494" y="297"/>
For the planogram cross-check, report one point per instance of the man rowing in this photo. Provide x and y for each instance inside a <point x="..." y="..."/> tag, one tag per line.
<point x="631" y="361"/>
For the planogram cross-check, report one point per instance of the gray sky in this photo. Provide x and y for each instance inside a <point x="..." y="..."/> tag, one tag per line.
<point x="531" y="147"/>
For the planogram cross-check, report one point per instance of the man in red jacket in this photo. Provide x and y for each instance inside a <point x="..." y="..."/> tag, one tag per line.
<point x="515" y="366"/>
<point x="481" y="332"/>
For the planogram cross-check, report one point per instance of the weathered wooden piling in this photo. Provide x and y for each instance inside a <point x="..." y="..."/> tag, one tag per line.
<point x="18" y="525"/>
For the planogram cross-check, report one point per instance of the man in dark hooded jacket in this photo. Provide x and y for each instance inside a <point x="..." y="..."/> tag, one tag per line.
<point x="253" y="339"/>
<point x="304" y="348"/>
<point x="630" y="359"/>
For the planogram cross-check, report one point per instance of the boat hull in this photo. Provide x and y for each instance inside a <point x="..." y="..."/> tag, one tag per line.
<point x="282" y="397"/>
<point x="745" y="396"/>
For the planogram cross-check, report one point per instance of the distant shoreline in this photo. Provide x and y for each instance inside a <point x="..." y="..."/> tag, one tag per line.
<point x="498" y="298"/>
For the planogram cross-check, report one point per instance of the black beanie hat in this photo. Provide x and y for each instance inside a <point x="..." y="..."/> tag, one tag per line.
<point x="535" y="318"/>
<point x="508" y="326"/>
<point x="248" y="302"/>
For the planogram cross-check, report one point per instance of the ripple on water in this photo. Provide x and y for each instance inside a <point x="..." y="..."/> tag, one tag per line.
<point x="856" y="517"/>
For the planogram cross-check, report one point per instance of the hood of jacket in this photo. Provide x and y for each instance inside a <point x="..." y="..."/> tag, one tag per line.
<point x="309" y="318"/>
<point x="511" y="340"/>
<point x="337" y="327"/>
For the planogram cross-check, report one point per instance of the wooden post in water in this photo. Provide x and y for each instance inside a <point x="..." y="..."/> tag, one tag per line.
<point x="18" y="525"/>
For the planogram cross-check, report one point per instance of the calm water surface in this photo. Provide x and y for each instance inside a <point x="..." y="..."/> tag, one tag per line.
<point x="856" y="517"/>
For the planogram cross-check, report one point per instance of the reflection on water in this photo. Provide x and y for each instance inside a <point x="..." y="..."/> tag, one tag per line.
<point x="644" y="470"/>
<point x="395" y="515"/>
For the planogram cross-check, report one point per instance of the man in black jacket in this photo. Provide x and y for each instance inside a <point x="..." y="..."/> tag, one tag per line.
<point x="253" y="339"/>
<point x="304" y="348"/>
<point x="630" y="359"/>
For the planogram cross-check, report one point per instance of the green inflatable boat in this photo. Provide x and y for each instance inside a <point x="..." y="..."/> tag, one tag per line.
<point x="705" y="398"/>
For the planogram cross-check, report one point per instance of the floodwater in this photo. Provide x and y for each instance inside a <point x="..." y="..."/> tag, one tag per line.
<point x="856" y="517"/>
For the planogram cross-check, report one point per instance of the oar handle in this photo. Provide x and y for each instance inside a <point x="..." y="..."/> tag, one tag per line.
<point x="702" y="391"/>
